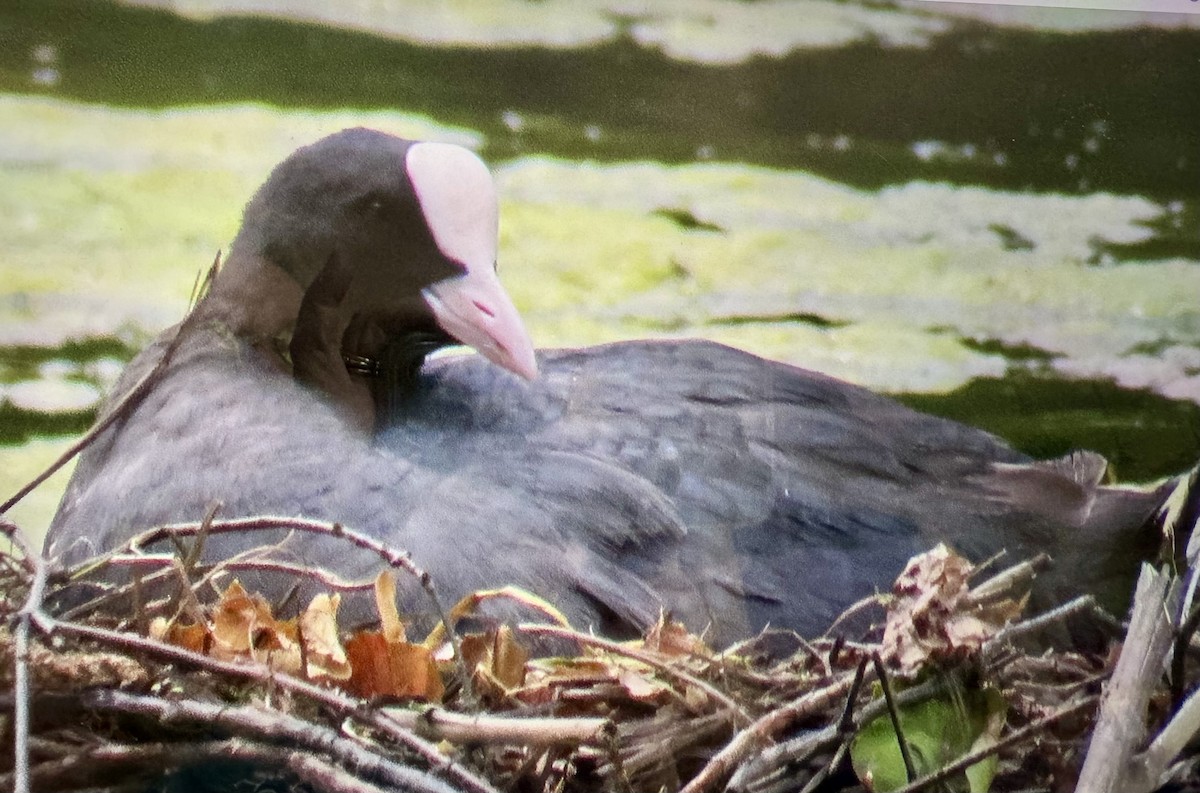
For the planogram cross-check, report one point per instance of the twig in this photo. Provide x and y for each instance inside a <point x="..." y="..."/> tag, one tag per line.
<point x="1171" y="740"/>
<point x="244" y="561"/>
<point x="834" y="763"/>
<point x="619" y="649"/>
<point x="1017" y="630"/>
<point x="156" y="757"/>
<point x="1120" y="729"/>
<point x="1181" y="514"/>
<point x="1003" y="583"/>
<point x="393" y="557"/>
<point x="32" y="610"/>
<point x="619" y="773"/>
<point x="24" y="701"/>
<point x="334" y="700"/>
<point x="877" y="599"/>
<point x="1183" y="641"/>
<point x="651" y="746"/>
<point x="442" y="725"/>
<point x="738" y="649"/>
<point x="326" y="579"/>
<point x="89" y="763"/>
<point x="269" y="726"/>
<point x="763" y="732"/>
<point x="845" y="728"/>
<point x="192" y="557"/>
<point x="893" y="712"/>
<point x="28" y="616"/>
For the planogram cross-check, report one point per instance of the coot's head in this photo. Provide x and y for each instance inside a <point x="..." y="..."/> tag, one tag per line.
<point x="414" y="224"/>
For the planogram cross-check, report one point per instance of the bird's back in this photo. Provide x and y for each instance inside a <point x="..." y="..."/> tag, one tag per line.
<point x="798" y="493"/>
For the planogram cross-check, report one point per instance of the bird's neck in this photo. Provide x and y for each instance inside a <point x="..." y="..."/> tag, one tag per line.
<point x="401" y="361"/>
<point x="253" y="298"/>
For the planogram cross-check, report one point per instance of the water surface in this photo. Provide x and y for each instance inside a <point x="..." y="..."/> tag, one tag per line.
<point x="997" y="222"/>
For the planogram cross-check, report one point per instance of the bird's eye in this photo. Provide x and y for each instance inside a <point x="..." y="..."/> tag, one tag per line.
<point x="370" y="204"/>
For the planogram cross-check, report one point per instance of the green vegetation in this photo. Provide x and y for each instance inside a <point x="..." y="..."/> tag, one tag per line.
<point x="821" y="207"/>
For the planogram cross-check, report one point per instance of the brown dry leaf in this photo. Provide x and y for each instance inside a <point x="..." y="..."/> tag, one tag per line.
<point x="642" y="686"/>
<point x="383" y="663"/>
<point x="391" y="669"/>
<point x="545" y="678"/>
<point x="697" y="699"/>
<point x="323" y="649"/>
<point x="496" y="660"/>
<point x="190" y="636"/>
<point x="471" y="603"/>
<point x="238" y="621"/>
<point x="385" y="603"/>
<point x="242" y="626"/>
<point x="509" y="658"/>
<point x="928" y="619"/>
<point x="570" y="670"/>
<point x="672" y="639"/>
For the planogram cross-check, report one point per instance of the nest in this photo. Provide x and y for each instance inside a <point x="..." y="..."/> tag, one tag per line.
<point x="203" y="685"/>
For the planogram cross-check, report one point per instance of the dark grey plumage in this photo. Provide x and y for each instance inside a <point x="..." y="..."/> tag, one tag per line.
<point x="734" y="491"/>
<point x="796" y="494"/>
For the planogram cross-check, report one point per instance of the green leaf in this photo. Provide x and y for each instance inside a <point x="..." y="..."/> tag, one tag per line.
<point x="938" y="732"/>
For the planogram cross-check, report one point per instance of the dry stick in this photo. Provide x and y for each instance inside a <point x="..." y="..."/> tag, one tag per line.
<point x="620" y="649"/>
<point x="1183" y="643"/>
<point x="164" y="561"/>
<point x="845" y="728"/>
<point x="442" y="725"/>
<point x="834" y="763"/>
<point x="909" y="769"/>
<point x="763" y="732"/>
<point x="1171" y="740"/>
<point x="1005" y="582"/>
<point x="1025" y="627"/>
<point x="1012" y="739"/>
<point x="669" y="743"/>
<point x="317" y="773"/>
<point x="1181" y="514"/>
<point x="246" y="560"/>
<point x="1120" y="729"/>
<point x="334" y="700"/>
<point x="329" y="778"/>
<point x="269" y="726"/>
<point x="619" y="774"/>
<point x="326" y="579"/>
<point x="392" y="556"/>
<point x="876" y="599"/>
<point x="81" y="765"/>
<point x="27" y="616"/>
<point x="190" y="557"/>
